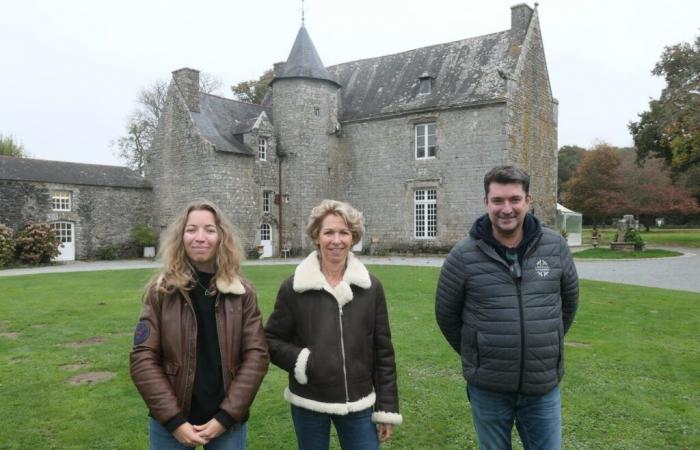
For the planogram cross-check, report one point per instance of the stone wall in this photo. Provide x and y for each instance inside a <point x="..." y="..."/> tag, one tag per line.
<point x="382" y="173"/>
<point x="532" y="124"/>
<point x="102" y="216"/>
<point x="183" y="167"/>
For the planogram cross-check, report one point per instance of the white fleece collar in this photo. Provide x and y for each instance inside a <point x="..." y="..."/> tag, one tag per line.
<point x="233" y="287"/>
<point x="308" y="277"/>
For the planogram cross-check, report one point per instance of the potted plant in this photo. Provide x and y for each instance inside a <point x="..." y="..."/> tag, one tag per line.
<point x="145" y="237"/>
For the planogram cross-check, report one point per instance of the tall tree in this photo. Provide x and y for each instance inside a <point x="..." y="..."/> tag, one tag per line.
<point x="142" y="123"/>
<point x="649" y="191"/>
<point x="595" y="190"/>
<point x="8" y="147"/>
<point x="253" y="91"/>
<point x="670" y="129"/>
<point x="569" y="158"/>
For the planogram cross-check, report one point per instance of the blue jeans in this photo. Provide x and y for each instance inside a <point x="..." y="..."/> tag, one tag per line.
<point x="537" y="418"/>
<point x="355" y="430"/>
<point x="161" y="439"/>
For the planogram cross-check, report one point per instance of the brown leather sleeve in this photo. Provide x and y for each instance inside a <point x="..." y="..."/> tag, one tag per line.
<point x="145" y="365"/>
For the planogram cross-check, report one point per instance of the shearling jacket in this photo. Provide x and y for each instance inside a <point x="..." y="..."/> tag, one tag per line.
<point x="163" y="358"/>
<point x="335" y="342"/>
<point x="509" y="330"/>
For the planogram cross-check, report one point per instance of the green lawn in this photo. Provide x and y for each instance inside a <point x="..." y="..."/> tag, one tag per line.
<point x="632" y="366"/>
<point x="654" y="237"/>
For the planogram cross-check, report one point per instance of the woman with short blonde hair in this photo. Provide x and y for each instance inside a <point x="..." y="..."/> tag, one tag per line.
<point x="330" y="331"/>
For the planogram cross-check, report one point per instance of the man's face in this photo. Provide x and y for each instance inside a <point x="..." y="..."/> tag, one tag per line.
<point x="506" y="205"/>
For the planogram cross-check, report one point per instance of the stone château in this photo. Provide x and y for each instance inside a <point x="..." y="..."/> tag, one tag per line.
<point x="405" y="138"/>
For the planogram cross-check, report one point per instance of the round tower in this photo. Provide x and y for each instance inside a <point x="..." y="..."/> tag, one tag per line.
<point x="305" y="115"/>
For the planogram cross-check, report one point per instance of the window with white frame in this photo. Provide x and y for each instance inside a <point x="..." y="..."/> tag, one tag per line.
<point x="267" y="201"/>
<point x="60" y="201"/>
<point x="64" y="231"/>
<point x="262" y="149"/>
<point x="426" y="140"/>
<point x="265" y="232"/>
<point x="425" y="213"/>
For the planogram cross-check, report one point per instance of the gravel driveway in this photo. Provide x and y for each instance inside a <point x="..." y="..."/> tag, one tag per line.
<point x="682" y="273"/>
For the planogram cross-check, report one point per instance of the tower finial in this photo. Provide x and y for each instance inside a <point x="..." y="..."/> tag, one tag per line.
<point x="302" y="13"/>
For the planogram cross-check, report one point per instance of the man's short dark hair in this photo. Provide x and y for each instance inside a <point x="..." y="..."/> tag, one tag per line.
<point x="507" y="175"/>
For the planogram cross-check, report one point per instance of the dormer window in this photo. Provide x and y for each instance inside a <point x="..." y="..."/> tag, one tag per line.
<point x="426" y="85"/>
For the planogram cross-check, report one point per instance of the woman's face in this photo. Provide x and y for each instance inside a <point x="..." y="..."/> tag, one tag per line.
<point x="201" y="240"/>
<point x="334" y="239"/>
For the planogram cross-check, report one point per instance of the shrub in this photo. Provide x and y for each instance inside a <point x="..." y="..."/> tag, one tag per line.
<point x="36" y="243"/>
<point x="107" y="253"/>
<point x="7" y="245"/>
<point x="144" y="235"/>
<point x="253" y="253"/>
<point x="635" y="236"/>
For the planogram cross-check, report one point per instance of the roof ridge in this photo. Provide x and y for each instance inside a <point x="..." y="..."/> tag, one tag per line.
<point x="418" y="48"/>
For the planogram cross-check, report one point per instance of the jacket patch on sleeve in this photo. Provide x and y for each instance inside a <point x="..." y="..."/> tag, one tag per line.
<point x="142" y="332"/>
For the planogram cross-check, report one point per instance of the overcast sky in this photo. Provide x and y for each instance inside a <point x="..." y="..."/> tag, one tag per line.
<point x="72" y="69"/>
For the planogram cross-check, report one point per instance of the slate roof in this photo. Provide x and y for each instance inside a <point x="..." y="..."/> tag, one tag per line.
<point x="303" y="61"/>
<point x="27" y="169"/>
<point x="220" y="119"/>
<point x="464" y="72"/>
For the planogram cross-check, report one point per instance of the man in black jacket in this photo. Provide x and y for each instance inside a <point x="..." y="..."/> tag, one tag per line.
<point x="507" y="294"/>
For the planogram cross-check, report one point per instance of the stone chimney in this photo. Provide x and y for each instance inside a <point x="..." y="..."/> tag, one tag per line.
<point x="187" y="80"/>
<point x="278" y="69"/>
<point x="520" y="16"/>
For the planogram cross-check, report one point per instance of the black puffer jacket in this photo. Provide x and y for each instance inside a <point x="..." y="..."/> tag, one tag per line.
<point x="335" y="342"/>
<point x="509" y="330"/>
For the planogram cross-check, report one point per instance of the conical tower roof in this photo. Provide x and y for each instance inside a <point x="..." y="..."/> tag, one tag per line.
<point x="303" y="60"/>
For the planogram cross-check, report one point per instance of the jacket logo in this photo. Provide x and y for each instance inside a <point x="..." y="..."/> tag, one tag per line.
<point x="542" y="268"/>
<point x="142" y="332"/>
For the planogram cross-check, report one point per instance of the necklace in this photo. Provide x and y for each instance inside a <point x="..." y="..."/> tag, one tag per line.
<point x="209" y="292"/>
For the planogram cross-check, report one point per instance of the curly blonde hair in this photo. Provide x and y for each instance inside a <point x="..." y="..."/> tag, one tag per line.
<point x="352" y="217"/>
<point x="178" y="272"/>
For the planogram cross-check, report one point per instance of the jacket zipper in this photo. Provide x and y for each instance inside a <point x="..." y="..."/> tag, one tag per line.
<point x="188" y="385"/>
<point x="522" y="334"/>
<point x="218" y="334"/>
<point x="342" y="351"/>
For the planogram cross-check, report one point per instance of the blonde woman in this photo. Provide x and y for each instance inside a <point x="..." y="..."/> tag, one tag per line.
<point x="199" y="352"/>
<point x="330" y="331"/>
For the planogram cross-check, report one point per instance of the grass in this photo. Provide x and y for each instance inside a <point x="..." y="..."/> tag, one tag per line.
<point x="606" y="253"/>
<point x="654" y="237"/>
<point x="632" y="366"/>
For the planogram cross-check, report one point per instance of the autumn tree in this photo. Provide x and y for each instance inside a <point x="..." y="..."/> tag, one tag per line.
<point x="595" y="189"/>
<point x="142" y="123"/>
<point x="649" y="190"/>
<point x="8" y="147"/>
<point x="569" y="158"/>
<point x="253" y="91"/>
<point x="670" y="129"/>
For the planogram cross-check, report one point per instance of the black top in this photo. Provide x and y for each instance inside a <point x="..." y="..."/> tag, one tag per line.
<point x="208" y="391"/>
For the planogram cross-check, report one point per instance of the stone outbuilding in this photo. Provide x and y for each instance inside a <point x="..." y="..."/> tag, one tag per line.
<point x="89" y="206"/>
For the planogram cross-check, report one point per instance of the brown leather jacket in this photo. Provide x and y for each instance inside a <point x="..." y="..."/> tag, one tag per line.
<point x="163" y="358"/>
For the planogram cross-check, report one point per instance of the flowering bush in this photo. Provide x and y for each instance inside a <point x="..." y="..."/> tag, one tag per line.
<point x="7" y="245"/>
<point x="36" y="243"/>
